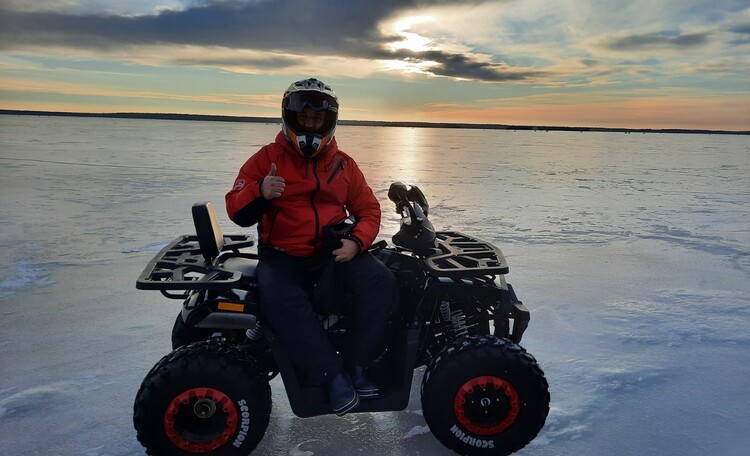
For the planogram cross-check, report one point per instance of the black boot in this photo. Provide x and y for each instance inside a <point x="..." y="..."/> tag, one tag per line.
<point x="366" y="388"/>
<point x="341" y="394"/>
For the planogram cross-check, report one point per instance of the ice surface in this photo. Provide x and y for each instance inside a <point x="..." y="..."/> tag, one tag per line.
<point x="632" y="253"/>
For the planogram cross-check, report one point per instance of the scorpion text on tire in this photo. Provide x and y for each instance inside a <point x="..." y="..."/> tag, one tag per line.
<point x="203" y="397"/>
<point x="484" y="396"/>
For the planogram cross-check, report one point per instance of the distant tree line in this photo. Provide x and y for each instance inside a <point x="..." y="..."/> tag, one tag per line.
<point x="218" y="118"/>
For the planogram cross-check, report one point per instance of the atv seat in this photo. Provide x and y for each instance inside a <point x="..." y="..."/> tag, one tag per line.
<point x="217" y="248"/>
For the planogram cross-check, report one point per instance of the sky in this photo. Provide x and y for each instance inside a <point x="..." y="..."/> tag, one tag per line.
<point x="600" y="63"/>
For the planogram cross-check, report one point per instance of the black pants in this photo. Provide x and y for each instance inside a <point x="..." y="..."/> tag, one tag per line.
<point x="285" y="283"/>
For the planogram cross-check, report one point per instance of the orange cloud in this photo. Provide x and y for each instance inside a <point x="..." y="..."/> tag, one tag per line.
<point x="74" y="89"/>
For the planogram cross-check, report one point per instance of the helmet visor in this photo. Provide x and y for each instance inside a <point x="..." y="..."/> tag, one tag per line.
<point x="298" y="101"/>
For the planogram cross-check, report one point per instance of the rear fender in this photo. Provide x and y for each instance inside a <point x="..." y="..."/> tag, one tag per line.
<point x="219" y="313"/>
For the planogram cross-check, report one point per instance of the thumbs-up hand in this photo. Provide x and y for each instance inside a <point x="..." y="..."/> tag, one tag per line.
<point x="272" y="185"/>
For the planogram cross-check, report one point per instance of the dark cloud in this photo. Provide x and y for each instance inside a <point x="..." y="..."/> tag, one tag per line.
<point x="589" y="62"/>
<point x="642" y="62"/>
<point x="742" y="32"/>
<point x="657" y="41"/>
<point x="314" y="27"/>
<point x="462" y="66"/>
<point x="289" y="25"/>
<point x="743" y="29"/>
<point x="229" y="62"/>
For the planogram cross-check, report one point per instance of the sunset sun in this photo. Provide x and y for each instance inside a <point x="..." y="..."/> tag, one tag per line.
<point x="410" y="41"/>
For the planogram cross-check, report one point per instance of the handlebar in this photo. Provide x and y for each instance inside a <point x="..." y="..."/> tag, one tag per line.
<point x="403" y="197"/>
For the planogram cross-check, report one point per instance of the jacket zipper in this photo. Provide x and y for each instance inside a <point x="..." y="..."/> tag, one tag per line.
<point x="339" y="166"/>
<point x="312" y="204"/>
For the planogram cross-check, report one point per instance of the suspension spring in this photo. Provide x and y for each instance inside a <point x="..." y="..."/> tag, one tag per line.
<point x="458" y="321"/>
<point x="455" y="319"/>
<point x="254" y="333"/>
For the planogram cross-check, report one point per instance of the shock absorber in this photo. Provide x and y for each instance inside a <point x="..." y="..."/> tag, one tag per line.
<point x="445" y="310"/>
<point x="255" y="333"/>
<point x="454" y="319"/>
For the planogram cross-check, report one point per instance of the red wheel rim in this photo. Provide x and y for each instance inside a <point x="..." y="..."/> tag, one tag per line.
<point x="490" y="398"/>
<point x="200" y="420"/>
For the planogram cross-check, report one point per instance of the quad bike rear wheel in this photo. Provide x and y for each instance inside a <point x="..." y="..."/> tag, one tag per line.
<point x="484" y="395"/>
<point x="203" y="398"/>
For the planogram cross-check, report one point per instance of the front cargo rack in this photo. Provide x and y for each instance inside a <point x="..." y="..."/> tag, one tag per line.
<point x="181" y="265"/>
<point x="461" y="255"/>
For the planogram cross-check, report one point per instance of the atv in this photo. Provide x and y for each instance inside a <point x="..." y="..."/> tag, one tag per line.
<point x="481" y="392"/>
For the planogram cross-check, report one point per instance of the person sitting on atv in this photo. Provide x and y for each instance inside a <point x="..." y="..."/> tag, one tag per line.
<point x="293" y="188"/>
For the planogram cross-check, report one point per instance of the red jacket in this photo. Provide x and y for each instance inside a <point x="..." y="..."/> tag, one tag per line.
<point x="319" y="190"/>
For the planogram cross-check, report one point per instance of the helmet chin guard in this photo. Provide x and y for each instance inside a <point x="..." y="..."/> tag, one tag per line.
<point x="308" y="144"/>
<point x="319" y="97"/>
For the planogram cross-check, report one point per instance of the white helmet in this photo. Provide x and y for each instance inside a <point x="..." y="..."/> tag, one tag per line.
<point x="318" y="96"/>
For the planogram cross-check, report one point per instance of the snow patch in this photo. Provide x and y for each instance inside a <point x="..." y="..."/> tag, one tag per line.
<point x="32" y="399"/>
<point x="416" y="430"/>
<point x="619" y="380"/>
<point x="297" y="451"/>
<point x="26" y="274"/>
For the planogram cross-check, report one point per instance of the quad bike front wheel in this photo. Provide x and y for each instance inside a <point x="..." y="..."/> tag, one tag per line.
<point x="203" y="398"/>
<point x="484" y="395"/>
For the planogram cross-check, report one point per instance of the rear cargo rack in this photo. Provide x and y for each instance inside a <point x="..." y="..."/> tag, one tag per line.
<point x="462" y="255"/>
<point x="181" y="265"/>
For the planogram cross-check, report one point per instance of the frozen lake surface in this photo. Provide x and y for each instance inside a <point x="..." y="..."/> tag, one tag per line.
<point x="631" y="251"/>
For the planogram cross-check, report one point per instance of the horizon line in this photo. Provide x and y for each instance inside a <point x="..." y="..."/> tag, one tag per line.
<point x="372" y="123"/>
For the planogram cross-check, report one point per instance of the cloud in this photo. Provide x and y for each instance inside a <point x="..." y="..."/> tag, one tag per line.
<point x="235" y="61"/>
<point x="292" y="25"/>
<point x="493" y="41"/>
<point x="740" y="32"/>
<point x="130" y="7"/>
<point x="660" y="40"/>
<point x="287" y="29"/>
<point x="743" y="29"/>
<point x="589" y="62"/>
<point x="465" y="66"/>
<point x="89" y="90"/>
